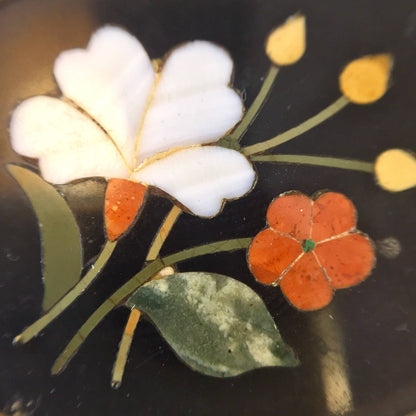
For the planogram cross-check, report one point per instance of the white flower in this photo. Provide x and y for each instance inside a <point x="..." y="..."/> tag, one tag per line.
<point x="137" y="124"/>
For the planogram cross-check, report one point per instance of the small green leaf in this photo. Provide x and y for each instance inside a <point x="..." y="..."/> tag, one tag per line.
<point x="60" y="237"/>
<point x="216" y="324"/>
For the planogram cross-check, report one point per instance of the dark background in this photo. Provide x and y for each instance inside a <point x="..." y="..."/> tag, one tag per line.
<point x="366" y="336"/>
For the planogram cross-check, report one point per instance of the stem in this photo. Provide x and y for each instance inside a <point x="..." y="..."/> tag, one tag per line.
<point x="163" y="233"/>
<point x="135" y="282"/>
<point x="328" y="112"/>
<point x="127" y="338"/>
<point x="331" y="162"/>
<point x="257" y="104"/>
<point x="34" y="329"/>
<point x="124" y="348"/>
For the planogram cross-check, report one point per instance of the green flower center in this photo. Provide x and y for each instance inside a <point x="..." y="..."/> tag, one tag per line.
<point x="308" y="245"/>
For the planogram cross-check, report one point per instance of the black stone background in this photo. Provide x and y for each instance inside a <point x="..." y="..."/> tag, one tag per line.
<point x="377" y="318"/>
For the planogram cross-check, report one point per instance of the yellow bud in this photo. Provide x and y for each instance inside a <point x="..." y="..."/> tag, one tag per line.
<point x="287" y="43"/>
<point x="366" y="79"/>
<point x="395" y="170"/>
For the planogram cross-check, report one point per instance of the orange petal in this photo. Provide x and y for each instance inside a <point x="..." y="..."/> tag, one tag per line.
<point x="123" y="199"/>
<point x="270" y="254"/>
<point x="305" y="285"/>
<point x="333" y="214"/>
<point x="347" y="260"/>
<point x="291" y="214"/>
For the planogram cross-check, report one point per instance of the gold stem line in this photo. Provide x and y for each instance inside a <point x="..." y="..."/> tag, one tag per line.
<point x="309" y="124"/>
<point x="331" y="162"/>
<point x="145" y="111"/>
<point x="163" y="233"/>
<point x="103" y="130"/>
<point x="124" y="348"/>
<point x="257" y="104"/>
<point x="34" y="329"/>
<point x="135" y="282"/>
<point x="127" y="338"/>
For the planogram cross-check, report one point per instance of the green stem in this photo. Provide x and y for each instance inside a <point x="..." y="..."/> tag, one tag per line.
<point x="328" y="112"/>
<point x="331" y="162"/>
<point x="135" y="282"/>
<point x="257" y="104"/>
<point x="34" y="329"/>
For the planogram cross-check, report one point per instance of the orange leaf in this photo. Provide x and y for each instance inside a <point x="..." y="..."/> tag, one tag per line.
<point x="123" y="199"/>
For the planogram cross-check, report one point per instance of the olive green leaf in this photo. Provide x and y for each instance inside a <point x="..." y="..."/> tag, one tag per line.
<point x="60" y="237"/>
<point x="216" y="324"/>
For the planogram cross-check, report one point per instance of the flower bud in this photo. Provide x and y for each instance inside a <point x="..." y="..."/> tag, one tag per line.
<point x="395" y="170"/>
<point x="366" y="79"/>
<point x="287" y="43"/>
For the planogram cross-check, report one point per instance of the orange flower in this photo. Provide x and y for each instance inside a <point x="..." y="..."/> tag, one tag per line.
<point x="311" y="248"/>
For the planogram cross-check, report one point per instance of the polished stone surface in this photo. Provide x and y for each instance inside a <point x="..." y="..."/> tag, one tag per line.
<point x="358" y="355"/>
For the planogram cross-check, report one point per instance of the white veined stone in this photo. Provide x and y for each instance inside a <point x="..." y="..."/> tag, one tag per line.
<point x="192" y="102"/>
<point x="67" y="143"/>
<point x="200" y="177"/>
<point x="111" y="80"/>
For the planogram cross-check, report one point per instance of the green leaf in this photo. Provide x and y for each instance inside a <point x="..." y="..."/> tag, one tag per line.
<point x="60" y="237"/>
<point x="216" y="324"/>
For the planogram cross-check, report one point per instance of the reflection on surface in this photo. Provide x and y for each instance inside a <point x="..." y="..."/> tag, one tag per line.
<point x="334" y="372"/>
<point x="23" y="49"/>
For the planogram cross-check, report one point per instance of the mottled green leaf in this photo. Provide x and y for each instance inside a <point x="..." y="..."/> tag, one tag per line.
<point x="60" y="237"/>
<point x="216" y="324"/>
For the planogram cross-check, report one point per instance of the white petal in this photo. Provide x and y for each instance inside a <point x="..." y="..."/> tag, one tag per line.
<point x="67" y="143"/>
<point x="111" y="80"/>
<point x="192" y="103"/>
<point x="201" y="177"/>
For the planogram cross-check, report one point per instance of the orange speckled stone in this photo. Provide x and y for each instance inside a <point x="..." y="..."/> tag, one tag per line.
<point x="321" y="236"/>
<point x="305" y="285"/>
<point x="333" y="214"/>
<point x="270" y="254"/>
<point x="291" y="214"/>
<point x="123" y="199"/>
<point x="347" y="260"/>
